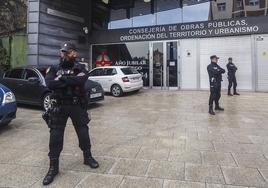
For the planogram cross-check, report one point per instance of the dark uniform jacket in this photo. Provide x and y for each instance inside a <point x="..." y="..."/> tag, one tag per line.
<point x="215" y="74"/>
<point x="69" y="85"/>
<point x="231" y="69"/>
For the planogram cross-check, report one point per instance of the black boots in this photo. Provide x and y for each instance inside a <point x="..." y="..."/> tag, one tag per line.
<point x="52" y="172"/>
<point x="210" y="111"/>
<point x="89" y="160"/>
<point x="217" y="107"/>
<point x="235" y="93"/>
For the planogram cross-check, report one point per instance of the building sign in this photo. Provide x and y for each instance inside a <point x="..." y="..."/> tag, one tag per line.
<point x="245" y="26"/>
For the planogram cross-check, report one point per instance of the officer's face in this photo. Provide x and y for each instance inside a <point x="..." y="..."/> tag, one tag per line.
<point x="68" y="55"/>
<point x="214" y="60"/>
<point x="230" y="60"/>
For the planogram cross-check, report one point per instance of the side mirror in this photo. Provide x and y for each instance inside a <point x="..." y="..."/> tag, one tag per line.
<point x="33" y="80"/>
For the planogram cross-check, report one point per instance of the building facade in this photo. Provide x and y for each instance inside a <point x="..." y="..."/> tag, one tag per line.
<point x="168" y="41"/>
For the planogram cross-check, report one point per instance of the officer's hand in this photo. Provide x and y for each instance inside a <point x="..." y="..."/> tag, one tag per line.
<point x="58" y="78"/>
<point x="81" y="74"/>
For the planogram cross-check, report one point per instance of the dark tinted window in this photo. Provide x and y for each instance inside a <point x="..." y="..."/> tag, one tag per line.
<point x="43" y="71"/>
<point x="129" y="70"/>
<point x="30" y="74"/>
<point x="96" y="72"/>
<point x="15" y="73"/>
<point x="109" y="72"/>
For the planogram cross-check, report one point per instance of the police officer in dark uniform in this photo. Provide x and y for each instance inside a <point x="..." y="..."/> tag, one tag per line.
<point x="231" y="76"/>
<point x="215" y="78"/>
<point x="67" y="80"/>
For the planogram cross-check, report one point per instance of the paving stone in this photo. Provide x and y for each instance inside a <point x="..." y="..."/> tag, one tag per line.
<point x="171" y="143"/>
<point x="209" y="185"/>
<point x="204" y="173"/>
<point x="105" y="165"/>
<point x="182" y="184"/>
<point x="6" y="168"/>
<point x="185" y="156"/>
<point x="153" y="153"/>
<point x="243" y="177"/>
<point x="264" y="173"/>
<point x="166" y="170"/>
<point x="134" y="182"/>
<point x="22" y="176"/>
<point x="217" y="158"/>
<point x="167" y="127"/>
<point x="100" y="181"/>
<point x="130" y="167"/>
<point x="199" y="145"/>
<point x="63" y="179"/>
<point x="251" y="160"/>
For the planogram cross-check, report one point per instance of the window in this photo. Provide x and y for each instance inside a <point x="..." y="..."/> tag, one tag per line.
<point x="30" y="74"/>
<point x="109" y="72"/>
<point x="253" y="2"/>
<point x="129" y="70"/>
<point x="15" y="73"/>
<point x="96" y="72"/>
<point x="239" y="4"/>
<point x="221" y="6"/>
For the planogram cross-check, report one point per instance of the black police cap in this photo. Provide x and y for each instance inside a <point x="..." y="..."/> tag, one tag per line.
<point x="214" y="56"/>
<point x="230" y="58"/>
<point x="67" y="46"/>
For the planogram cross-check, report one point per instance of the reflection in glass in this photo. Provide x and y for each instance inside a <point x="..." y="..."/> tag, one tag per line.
<point x="158" y="64"/>
<point x="172" y="64"/>
<point x="145" y="20"/>
<point x="198" y="12"/>
<point x="167" y="17"/>
<point x="172" y="11"/>
<point x="134" y="54"/>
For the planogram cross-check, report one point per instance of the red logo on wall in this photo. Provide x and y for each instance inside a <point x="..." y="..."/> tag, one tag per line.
<point x="103" y="60"/>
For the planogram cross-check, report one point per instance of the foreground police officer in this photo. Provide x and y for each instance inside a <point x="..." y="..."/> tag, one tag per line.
<point x="231" y="76"/>
<point x="67" y="81"/>
<point x="215" y="78"/>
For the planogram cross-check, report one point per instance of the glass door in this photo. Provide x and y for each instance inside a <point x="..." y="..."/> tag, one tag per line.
<point x="158" y="64"/>
<point x="172" y="65"/>
<point x="164" y="65"/>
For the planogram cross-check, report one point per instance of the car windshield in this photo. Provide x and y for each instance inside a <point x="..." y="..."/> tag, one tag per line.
<point x="129" y="70"/>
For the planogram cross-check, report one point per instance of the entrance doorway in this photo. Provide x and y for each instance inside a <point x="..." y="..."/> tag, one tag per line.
<point x="164" y="65"/>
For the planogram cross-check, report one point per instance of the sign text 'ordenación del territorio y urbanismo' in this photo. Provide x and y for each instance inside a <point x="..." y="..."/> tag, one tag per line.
<point x="215" y="28"/>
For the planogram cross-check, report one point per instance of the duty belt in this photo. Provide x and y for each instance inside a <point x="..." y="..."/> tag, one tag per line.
<point x="69" y="101"/>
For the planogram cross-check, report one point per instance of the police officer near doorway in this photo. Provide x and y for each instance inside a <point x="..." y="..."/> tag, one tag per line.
<point x="231" y="76"/>
<point x="215" y="78"/>
<point x="67" y="80"/>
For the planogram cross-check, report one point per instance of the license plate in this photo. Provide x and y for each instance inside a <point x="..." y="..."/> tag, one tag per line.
<point x="95" y="95"/>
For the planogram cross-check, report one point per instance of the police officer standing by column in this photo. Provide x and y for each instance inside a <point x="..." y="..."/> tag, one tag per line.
<point x="67" y="80"/>
<point x="215" y="78"/>
<point x="231" y="76"/>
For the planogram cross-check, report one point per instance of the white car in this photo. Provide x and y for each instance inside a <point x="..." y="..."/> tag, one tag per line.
<point x="117" y="79"/>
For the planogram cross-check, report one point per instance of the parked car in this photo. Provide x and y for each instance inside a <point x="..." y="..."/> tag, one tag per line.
<point x="117" y="79"/>
<point x="8" y="106"/>
<point x="28" y="85"/>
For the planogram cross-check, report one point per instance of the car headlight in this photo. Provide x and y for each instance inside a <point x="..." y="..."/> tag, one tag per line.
<point x="9" y="97"/>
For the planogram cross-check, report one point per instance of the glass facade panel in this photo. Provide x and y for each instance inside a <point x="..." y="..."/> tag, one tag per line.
<point x="158" y="62"/>
<point x="146" y="20"/>
<point x="130" y="54"/>
<point x="198" y="12"/>
<point x="161" y="12"/>
<point x="167" y="17"/>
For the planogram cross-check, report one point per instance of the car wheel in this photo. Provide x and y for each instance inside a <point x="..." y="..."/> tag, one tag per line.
<point x="46" y="101"/>
<point x="116" y="90"/>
